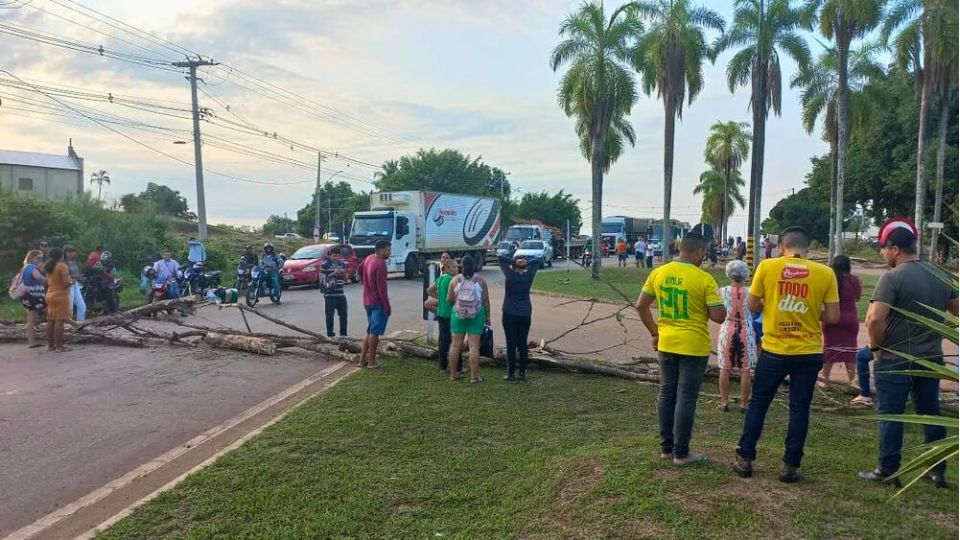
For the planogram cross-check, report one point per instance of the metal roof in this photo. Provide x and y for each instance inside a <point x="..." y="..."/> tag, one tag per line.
<point x="35" y="159"/>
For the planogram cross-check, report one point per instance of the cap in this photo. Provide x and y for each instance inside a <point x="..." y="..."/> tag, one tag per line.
<point x="898" y="231"/>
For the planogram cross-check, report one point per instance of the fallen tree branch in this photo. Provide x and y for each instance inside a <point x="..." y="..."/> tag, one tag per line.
<point x="119" y="319"/>
<point x="251" y="344"/>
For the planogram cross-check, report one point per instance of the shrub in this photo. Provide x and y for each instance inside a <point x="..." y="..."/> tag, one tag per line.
<point x="25" y="221"/>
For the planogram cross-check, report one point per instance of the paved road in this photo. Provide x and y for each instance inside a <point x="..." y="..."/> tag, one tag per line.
<point x="70" y="423"/>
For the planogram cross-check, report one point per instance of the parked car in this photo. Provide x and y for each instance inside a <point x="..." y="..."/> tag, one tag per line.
<point x="506" y="248"/>
<point x="303" y="267"/>
<point x="536" y="250"/>
<point x="288" y="235"/>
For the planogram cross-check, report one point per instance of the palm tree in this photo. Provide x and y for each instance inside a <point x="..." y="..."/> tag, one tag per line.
<point x="100" y="178"/>
<point x="819" y="84"/>
<point x="669" y="58"/>
<point x="388" y="169"/>
<point x="843" y="21"/>
<point x="620" y="132"/>
<point x="926" y="40"/>
<point x="762" y="30"/>
<point x="598" y="87"/>
<point x="721" y="196"/>
<point x="727" y="147"/>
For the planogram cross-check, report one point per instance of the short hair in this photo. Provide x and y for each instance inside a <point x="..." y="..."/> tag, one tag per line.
<point x="165" y="250"/>
<point x="334" y="251"/>
<point x="32" y="254"/>
<point x="795" y="237"/>
<point x="69" y="249"/>
<point x="692" y="242"/>
<point x="902" y="239"/>
<point x="737" y="271"/>
<point x="381" y="245"/>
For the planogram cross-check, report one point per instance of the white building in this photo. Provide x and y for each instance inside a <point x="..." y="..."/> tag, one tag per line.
<point x="47" y="176"/>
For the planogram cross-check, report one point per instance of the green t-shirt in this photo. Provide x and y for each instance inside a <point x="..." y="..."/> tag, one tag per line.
<point x="444" y="308"/>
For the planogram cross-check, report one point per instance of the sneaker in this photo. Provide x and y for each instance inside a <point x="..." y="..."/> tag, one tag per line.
<point x="879" y="477"/>
<point x="861" y="401"/>
<point x="938" y="479"/>
<point x="789" y="474"/>
<point x="743" y="467"/>
<point x="691" y="458"/>
<point x="666" y="455"/>
<point x="509" y="377"/>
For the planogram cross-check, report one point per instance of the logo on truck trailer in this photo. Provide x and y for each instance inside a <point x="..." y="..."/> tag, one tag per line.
<point x="440" y="215"/>
<point x="480" y="220"/>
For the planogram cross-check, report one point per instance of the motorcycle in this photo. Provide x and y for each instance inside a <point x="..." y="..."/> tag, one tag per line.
<point x="100" y="296"/>
<point x="243" y="276"/>
<point x="261" y="284"/>
<point x="194" y="281"/>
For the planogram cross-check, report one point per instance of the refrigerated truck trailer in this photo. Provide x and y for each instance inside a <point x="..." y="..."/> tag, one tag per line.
<point x="420" y="225"/>
<point x="630" y="229"/>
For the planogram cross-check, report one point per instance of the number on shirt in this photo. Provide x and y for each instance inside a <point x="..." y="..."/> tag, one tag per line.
<point x="673" y="303"/>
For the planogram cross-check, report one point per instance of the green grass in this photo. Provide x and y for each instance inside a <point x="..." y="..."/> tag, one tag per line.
<point x="130" y="297"/>
<point x="405" y="453"/>
<point x="577" y="283"/>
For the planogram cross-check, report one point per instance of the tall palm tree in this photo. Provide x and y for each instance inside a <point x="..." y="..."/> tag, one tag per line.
<point x="727" y="147"/>
<point x="388" y="169"/>
<point x="843" y="21"/>
<point x="819" y="84"/>
<point x="762" y="30"/>
<point x="721" y="196"/>
<point x="598" y="86"/>
<point x="926" y="40"/>
<point x="100" y="178"/>
<point x="669" y="58"/>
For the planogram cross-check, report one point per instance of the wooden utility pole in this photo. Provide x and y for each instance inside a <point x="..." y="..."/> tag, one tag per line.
<point x="197" y="155"/>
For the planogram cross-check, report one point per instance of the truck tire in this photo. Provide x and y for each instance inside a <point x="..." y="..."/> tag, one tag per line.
<point x="479" y="258"/>
<point x="411" y="268"/>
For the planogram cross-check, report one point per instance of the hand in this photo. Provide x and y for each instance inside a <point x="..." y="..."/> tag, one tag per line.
<point x="655" y="341"/>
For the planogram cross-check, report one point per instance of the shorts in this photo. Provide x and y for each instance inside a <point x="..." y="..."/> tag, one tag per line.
<point x="469" y="327"/>
<point x="622" y="256"/>
<point x="639" y="256"/>
<point x="376" y="320"/>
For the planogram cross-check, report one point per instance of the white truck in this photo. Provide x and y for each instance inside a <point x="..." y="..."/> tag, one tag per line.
<point x="420" y="225"/>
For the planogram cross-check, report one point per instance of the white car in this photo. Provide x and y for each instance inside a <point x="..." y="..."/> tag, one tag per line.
<point x="536" y="250"/>
<point x="288" y="235"/>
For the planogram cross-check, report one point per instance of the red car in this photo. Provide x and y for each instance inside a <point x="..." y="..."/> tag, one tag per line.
<point x="303" y="267"/>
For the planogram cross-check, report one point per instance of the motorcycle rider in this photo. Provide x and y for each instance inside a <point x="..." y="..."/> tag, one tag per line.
<point x="248" y="258"/>
<point x="166" y="269"/>
<point x="103" y="275"/>
<point x="271" y="263"/>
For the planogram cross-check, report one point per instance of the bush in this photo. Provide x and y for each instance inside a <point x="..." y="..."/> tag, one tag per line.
<point x="25" y="221"/>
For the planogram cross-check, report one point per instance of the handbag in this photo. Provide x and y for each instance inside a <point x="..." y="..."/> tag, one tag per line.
<point x="486" y="342"/>
<point x="430" y="304"/>
<point x="17" y="288"/>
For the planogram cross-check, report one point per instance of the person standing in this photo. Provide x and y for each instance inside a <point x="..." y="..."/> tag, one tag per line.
<point x="44" y="250"/>
<point x="621" y="253"/>
<point x="517" y="312"/>
<point x="470" y="297"/>
<point x="58" y="299"/>
<point x="196" y="253"/>
<point x="910" y="287"/>
<point x="840" y="339"/>
<point x="741" y="249"/>
<point x="686" y="297"/>
<point x="76" y="295"/>
<point x="440" y="287"/>
<point x="768" y="246"/>
<point x="649" y="251"/>
<point x="376" y="302"/>
<point x="736" y="343"/>
<point x="795" y="296"/>
<point x="35" y="299"/>
<point x="335" y="276"/>
<point x="639" y="252"/>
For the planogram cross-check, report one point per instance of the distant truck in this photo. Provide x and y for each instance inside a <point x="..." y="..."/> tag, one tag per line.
<point x="628" y="229"/>
<point x="420" y="225"/>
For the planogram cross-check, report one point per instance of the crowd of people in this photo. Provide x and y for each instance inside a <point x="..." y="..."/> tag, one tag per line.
<point x="809" y="323"/>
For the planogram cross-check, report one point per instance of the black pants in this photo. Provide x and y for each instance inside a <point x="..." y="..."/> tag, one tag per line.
<point x="516" y="328"/>
<point x="336" y="304"/>
<point x="446" y="338"/>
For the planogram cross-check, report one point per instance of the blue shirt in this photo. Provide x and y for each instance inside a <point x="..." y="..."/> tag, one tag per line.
<point x="27" y="275"/>
<point x="516" y="298"/>
<point x="196" y="252"/>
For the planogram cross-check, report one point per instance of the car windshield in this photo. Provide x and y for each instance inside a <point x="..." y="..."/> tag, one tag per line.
<point x="611" y="227"/>
<point x="373" y="226"/>
<point x="531" y="244"/>
<point x="308" y="252"/>
<point x="506" y="245"/>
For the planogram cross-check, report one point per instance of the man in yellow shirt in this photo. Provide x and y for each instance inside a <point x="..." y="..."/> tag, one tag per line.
<point x="795" y="296"/>
<point x="686" y="297"/>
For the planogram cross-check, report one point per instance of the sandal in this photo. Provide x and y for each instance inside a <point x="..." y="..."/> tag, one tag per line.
<point x="377" y="366"/>
<point x="35" y="345"/>
<point x="476" y="380"/>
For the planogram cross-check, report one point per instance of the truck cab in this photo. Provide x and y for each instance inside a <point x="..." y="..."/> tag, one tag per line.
<point x="398" y="228"/>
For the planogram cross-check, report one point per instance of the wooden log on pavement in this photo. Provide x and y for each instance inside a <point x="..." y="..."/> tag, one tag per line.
<point x="119" y="319"/>
<point x="254" y="345"/>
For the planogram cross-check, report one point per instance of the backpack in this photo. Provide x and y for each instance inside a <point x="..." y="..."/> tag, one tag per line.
<point x="468" y="301"/>
<point x="17" y="288"/>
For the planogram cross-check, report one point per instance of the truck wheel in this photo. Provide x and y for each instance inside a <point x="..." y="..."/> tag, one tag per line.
<point x="479" y="258"/>
<point x="411" y="267"/>
<point x="550" y="263"/>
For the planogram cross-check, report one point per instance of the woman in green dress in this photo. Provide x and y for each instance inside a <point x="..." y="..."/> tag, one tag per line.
<point x="469" y="295"/>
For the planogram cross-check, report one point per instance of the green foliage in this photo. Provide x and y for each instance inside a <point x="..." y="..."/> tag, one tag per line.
<point x="157" y="198"/>
<point x="553" y="209"/>
<point x="338" y="202"/>
<point x="715" y="187"/>
<point x="805" y="208"/>
<point x="448" y="170"/>
<point x="278" y="225"/>
<point x="25" y="221"/>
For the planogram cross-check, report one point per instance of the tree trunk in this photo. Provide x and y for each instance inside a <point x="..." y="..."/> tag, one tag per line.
<point x="941" y="157"/>
<point x="668" y="131"/>
<point x="843" y="133"/>
<point x="921" y="191"/>
<point x="724" y="217"/>
<point x="832" y="239"/>
<point x="256" y="345"/>
<point x="596" y="169"/>
<point x="759" y="106"/>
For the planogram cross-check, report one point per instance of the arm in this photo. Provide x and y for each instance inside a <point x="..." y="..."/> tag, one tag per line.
<point x="452" y="290"/>
<point x="504" y="263"/>
<point x="65" y="277"/>
<point x="432" y="289"/>
<point x="381" y="284"/>
<point x="717" y="313"/>
<point x="831" y="313"/>
<point x="952" y="306"/>
<point x="859" y="290"/>
<point x="646" y="317"/>
<point x="326" y="269"/>
<point x="754" y="303"/>
<point x="37" y="275"/>
<point x="715" y="308"/>
<point x="486" y="299"/>
<point x="877" y="315"/>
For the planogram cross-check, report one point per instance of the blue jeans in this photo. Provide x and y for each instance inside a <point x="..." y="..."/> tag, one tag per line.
<point x="680" y="379"/>
<point x="892" y="392"/>
<point x="173" y="290"/>
<point x="864" y="356"/>
<point x="770" y="372"/>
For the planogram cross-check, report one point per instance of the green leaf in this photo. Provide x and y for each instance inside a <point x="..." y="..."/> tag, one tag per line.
<point x="924" y="419"/>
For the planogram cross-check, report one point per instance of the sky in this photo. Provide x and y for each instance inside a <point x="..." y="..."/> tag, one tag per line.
<point x="375" y="80"/>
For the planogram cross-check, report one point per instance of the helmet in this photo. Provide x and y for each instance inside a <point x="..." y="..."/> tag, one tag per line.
<point x="146" y="270"/>
<point x="106" y="256"/>
<point x="248" y="247"/>
<point x="267" y="245"/>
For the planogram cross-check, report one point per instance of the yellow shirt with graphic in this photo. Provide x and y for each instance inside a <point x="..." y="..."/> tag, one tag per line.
<point x="683" y="293"/>
<point x="794" y="291"/>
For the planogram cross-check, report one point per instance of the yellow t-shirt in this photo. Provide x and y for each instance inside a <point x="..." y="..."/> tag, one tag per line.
<point x="794" y="291"/>
<point x="683" y="293"/>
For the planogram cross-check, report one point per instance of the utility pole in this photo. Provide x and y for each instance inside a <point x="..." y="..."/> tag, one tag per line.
<point x="316" y="195"/>
<point x="197" y="157"/>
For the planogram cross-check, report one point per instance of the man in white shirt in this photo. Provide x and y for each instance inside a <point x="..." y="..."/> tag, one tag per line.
<point x="166" y="269"/>
<point x="640" y="252"/>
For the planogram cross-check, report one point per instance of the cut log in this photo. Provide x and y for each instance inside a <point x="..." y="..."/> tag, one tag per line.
<point x="119" y="319"/>
<point x="254" y="345"/>
<point x="14" y="334"/>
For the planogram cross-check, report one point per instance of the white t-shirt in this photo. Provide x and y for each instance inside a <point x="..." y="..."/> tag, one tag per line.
<point x="649" y="250"/>
<point x="640" y="247"/>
